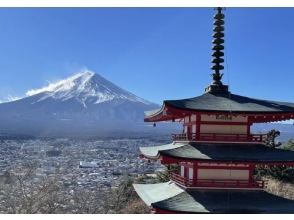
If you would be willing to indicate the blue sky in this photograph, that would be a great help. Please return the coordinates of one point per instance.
(155, 53)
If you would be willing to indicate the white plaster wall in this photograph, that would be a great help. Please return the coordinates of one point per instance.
(240, 174)
(218, 174)
(193, 118)
(224, 129)
(187, 119)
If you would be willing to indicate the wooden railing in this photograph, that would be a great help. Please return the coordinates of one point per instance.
(181, 180)
(205, 183)
(219, 137)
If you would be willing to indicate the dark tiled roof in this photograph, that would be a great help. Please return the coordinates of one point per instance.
(226, 102)
(226, 201)
(224, 152)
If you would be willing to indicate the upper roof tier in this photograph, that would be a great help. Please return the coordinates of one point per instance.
(220, 103)
(218, 100)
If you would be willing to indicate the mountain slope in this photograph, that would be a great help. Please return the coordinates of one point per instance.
(85, 102)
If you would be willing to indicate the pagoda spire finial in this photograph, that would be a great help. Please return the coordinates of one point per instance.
(217, 54)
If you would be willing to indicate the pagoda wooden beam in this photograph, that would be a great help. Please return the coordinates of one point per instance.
(187, 112)
(248, 128)
(195, 171)
(222, 123)
(251, 169)
(198, 125)
(143, 156)
(187, 165)
(170, 160)
(224, 167)
(169, 113)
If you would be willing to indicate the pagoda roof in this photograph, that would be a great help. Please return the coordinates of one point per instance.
(172, 198)
(219, 102)
(152, 152)
(152, 193)
(220, 152)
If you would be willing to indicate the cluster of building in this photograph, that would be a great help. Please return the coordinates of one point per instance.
(79, 163)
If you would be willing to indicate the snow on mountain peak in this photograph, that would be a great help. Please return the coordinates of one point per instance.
(85, 86)
(62, 85)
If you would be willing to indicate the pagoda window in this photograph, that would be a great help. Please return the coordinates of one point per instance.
(187, 170)
(191, 172)
(194, 129)
(182, 171)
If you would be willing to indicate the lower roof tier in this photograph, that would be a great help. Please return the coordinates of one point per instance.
(222, 103)
(168, 197)
(215, 152)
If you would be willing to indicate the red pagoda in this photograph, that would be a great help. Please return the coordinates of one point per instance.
(216, 151)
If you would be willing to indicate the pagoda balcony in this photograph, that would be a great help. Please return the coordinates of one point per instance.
(208, 183)
(256, 138)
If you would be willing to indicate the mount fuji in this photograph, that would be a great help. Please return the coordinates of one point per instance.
(82, 103)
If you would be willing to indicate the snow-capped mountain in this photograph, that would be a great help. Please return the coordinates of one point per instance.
(84, 102)
(87, 88)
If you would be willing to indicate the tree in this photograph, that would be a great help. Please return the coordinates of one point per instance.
(164, 175)
(22, 191)
(141, 179)
(123, 199)
(289, 145)
(282, 173)
(83, 201)
(136, 206)
(270, 139)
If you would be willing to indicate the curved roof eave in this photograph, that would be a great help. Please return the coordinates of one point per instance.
(226, 102)
(153, 152)
(222, 103)
(238, 153)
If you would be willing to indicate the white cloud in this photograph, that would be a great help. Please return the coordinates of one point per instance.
(10, 98)
(50, 87)
(60, 85)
